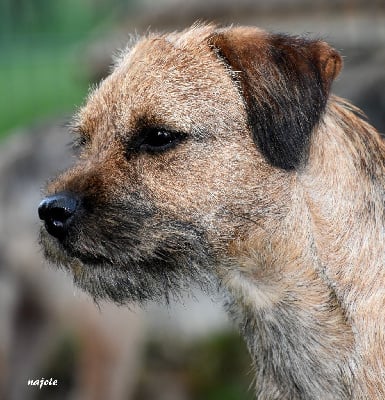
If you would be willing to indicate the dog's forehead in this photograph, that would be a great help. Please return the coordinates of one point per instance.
(175, 80)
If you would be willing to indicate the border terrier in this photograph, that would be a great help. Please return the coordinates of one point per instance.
(219, 155)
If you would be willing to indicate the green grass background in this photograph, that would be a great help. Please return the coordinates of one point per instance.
(42, 71)
(39, 84)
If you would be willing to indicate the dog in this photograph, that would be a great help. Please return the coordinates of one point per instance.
(218, 155)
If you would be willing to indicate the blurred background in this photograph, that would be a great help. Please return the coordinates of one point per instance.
(50, 54)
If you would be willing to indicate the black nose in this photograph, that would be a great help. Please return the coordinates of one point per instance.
(57, 212)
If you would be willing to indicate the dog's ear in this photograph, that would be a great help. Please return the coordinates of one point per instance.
(285, 82)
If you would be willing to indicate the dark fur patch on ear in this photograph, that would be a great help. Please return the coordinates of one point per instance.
(285, 83)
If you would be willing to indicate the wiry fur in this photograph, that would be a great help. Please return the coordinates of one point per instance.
(277, 190)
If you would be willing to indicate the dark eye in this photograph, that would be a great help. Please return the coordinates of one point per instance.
(158, 140)
(79, 143)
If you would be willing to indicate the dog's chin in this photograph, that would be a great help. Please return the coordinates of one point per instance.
(124, 280)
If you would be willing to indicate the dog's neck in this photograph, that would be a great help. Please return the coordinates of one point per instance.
(302, 294)
(344, 187)
(294, 328)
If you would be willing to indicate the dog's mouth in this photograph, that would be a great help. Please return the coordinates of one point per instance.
(152, 265)
(56, 253)
(78, 229)
(77, 254)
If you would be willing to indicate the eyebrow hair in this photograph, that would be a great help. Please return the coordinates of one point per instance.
(74, 125)
(148, 122)
(78, 130)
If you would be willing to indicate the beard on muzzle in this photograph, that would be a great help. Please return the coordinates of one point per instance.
(132, 255)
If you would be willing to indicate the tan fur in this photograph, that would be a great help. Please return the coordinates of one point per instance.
(300, 252)
(347, 216)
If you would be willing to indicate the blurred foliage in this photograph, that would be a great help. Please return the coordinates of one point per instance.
(220, 368)
(42, 70)
(61, 363)
(217, 367)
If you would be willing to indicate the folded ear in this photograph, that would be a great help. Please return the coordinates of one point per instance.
(285, 82)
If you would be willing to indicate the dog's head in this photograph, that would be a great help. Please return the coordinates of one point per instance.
(191, 141)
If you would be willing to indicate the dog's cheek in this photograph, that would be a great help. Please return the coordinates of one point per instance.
(206, 180)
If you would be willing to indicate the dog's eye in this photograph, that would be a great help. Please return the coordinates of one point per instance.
(79, 143)
(158, 140)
